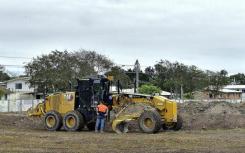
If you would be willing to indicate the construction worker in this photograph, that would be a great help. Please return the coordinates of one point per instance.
(102, 112)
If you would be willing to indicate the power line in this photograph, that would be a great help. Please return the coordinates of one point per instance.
(15, 57)
(19, 66)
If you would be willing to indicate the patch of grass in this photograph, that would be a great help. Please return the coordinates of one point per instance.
(35, 141)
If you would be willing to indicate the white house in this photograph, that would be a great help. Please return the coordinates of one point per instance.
(236, 87)
(19, 85)
(240, 88)
(20, 96)
(20, 89)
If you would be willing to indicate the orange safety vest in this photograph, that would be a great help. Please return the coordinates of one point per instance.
(102, 108)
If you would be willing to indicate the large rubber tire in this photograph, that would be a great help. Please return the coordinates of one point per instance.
(150, 122)
(91, 126)
(53, 121)
(73, 121)
(177, 126)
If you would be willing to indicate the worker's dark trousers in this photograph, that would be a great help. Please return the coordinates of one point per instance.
(100, 123)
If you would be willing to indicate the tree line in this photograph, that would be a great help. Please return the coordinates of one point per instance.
(52, 72)
(174, 76)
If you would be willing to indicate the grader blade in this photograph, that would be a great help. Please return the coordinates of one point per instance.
(120, 124)
(120, 127)
(37, 111)
(128, 113)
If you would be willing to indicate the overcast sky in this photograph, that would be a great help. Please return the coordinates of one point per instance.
(206, 33)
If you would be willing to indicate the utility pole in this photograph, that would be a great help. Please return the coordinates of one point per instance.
(181, 93)
(137, 71)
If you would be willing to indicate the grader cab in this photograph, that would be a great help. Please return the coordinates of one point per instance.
(75, 110)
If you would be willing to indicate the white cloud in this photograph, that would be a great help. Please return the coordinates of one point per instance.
(206, 33)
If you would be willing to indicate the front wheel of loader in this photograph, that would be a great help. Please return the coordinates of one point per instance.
(150, 122)
(73, 121)
(53, 121)
(178, 125)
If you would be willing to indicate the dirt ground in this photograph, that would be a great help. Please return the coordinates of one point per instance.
(208, 127)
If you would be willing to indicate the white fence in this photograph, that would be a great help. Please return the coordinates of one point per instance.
(18, 105)
(210, 100)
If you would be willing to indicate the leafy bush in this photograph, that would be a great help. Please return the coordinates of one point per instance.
(149, 89)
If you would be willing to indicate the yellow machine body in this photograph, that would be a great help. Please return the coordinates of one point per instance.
(60, 102)
(165, 107)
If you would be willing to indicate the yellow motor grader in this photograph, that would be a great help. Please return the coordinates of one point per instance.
(75, 110)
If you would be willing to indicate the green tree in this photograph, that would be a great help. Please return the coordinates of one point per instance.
(149, 89)
(4, 76)
(53, 71)
(171, 76)
(119, 74)
(218, 80)
(238, 78)
(2, 92)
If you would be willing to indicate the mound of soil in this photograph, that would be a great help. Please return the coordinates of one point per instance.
(212, 115)
(21, 121)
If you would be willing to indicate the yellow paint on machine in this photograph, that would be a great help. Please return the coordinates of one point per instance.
(60, 102)
(167, 108)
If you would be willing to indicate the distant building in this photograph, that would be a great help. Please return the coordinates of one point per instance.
(20, 89)
(114, 89)
(128, 90)
(19, 85)
(131, 91)
(240, 88)
(236, 87)
(225, 94)
(166, 94)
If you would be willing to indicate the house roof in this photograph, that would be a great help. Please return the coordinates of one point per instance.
(235, 87)
(224, 90)
(229, 91)
(17, 79)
